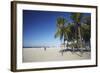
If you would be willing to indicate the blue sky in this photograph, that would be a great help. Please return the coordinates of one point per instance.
(39, 27)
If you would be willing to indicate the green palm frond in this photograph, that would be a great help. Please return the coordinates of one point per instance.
(60, 27)
(76, 17)
(58, 32)
(61, 35)
(61, 22)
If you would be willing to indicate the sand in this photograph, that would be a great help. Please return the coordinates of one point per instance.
(51, 54)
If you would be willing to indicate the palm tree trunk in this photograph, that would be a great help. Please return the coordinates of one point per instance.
(80, 39)
(64, 44)
(67, 44)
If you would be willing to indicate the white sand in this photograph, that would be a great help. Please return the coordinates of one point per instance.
(51, 54)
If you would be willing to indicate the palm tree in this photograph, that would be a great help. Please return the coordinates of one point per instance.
(67, 34)
(77, 17)
(61, 29)
(86, 34)
(87, 22)
(71, 34)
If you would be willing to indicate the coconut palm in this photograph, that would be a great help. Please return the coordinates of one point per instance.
(77, 18)
(67, 34)
(86, 30)
(71, 34)
(61, 29)
(86, 34)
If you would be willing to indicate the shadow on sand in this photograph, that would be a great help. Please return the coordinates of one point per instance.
(75, 50)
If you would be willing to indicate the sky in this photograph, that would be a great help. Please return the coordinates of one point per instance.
(39, 27)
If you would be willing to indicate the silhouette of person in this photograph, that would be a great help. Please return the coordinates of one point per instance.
(45, 48)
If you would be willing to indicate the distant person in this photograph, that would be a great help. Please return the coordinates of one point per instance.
(45, 48)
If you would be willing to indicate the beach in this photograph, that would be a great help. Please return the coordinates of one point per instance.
(51, 54)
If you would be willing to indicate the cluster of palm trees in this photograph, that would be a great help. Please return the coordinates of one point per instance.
(77, 31)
